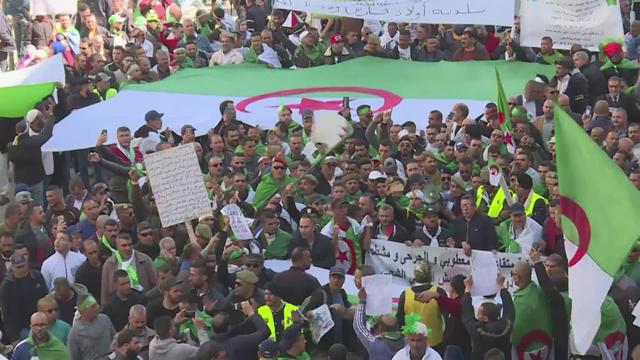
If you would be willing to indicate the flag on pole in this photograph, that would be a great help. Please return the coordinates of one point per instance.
(504, 115)
(292, 20)
(598, 204)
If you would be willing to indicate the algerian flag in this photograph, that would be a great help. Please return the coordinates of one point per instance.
(20, 90)
(192, 95)
(599, 207)
(504, 115)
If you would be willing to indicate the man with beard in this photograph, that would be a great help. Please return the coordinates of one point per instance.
(40, 344)
(300, 284)
(128, 346)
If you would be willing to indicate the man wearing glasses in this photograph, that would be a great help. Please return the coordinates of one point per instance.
(56, 327)
(40, 344)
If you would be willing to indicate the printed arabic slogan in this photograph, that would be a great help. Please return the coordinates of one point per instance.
(399, 260)
(569, 22)
(487, 12)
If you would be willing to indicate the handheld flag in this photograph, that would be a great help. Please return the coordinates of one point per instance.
(504, 115)
(292, 20)
(598, 204)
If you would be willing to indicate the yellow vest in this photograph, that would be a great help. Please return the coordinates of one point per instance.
(534, 198)
(429, 312)
(497, 203)
(267, 315)
(111, 92)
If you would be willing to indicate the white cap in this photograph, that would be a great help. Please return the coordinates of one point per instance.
(402, 133)
(303, 34)
(415, 194)
(31, 116)
(375, 174)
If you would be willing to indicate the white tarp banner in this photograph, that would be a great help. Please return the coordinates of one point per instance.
(177, 184)
(398, 259)
(569, 22)
(53, 7)
(487, 12)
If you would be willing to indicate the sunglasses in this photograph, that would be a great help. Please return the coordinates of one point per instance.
(278, 168)
(214, 165)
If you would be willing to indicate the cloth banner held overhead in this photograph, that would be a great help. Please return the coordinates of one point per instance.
(258, 91)
(399, 260)
(488, 12)
(569, 22)
(53, 7)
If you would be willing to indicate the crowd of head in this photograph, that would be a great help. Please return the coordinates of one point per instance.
(89, 271)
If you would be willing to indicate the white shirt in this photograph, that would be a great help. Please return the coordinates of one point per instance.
(563, 83)
(388, 39)
(78, 203)
(220, 58)
(404, 54)
(404, 354)
(56, 266)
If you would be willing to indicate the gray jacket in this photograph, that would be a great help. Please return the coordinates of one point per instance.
(169, 349)
(91, 340)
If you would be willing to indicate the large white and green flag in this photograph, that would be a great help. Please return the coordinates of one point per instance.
(192, 96)
(20, 90)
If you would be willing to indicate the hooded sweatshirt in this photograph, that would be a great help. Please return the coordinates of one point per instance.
(169, 349)
(91, 340)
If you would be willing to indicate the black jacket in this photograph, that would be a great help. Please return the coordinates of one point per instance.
(559, 316)
(595, 79)
(300, 285)
(485, 336)
(18, 300)
(26, 155)
(623, 101)
(578, 92)
(539, 103)
(479, 232)
(322, 253)
(243, 346)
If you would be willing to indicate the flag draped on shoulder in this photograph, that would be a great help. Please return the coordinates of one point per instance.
(597, 203)
(504, 115)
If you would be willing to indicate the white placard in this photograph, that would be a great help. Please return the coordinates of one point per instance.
(484, 270)
(237, 221)
(399, 260)
(177, 184)
(378, 300)
(53, 7)
(320, 323)
(487, 12)
(569, 22)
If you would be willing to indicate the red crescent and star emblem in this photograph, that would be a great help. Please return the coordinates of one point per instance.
(574, 212)
(390, 100)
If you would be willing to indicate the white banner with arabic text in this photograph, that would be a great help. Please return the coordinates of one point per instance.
(388, 257)
(486, 12)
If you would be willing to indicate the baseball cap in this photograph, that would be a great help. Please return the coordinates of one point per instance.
(306, 113)
(336, 38)
(375, 175)
(102, 77)
(18, 260)
(73, 229)
(460, 145)
(23, 197)
(309, 211)
(268, 349)
(31, 116)
(115, 19)
(168, 283)
(336, 270)
(185, 127)
(150, 115)
(336, 203)
(430, 210)
(247, 276)
(143, 226)
(403, 134)
(516, 209)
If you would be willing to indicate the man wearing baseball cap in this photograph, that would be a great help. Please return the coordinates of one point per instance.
(337, 52)
(116, 29)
